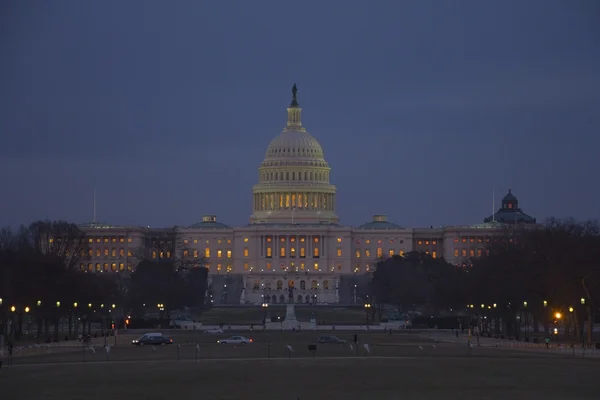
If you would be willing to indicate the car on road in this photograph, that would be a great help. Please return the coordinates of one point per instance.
(214, 331)
(152, 339)
(331, 339)
(235, 340)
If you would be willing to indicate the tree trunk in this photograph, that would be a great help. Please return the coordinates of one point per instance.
(56, 322)
(39, 329)
(47, 329)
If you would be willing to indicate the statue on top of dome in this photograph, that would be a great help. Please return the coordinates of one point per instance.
(294, 99)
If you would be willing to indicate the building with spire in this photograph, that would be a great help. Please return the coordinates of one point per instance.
(294, 249)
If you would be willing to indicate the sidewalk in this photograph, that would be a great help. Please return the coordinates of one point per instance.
(554, 348)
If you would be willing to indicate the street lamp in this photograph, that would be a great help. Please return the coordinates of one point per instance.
(582, 301)
(13, 308)
(494, 305)
(545, 303)
(558, 315)
(114, 305)
(367, 308)
(75, 304)
(58, 304)
(0, 301)
(39, 303)
(89, 305)
(26, 309)
(524, 304)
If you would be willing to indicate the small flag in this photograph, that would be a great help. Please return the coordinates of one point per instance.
(433, 345)
(421, 347)
(351, 348)
(153, 348)
(92, 349)
(367, 348)
(197, 347)
(290, 348)
(1, 354)
(107, 348)
(178, 346)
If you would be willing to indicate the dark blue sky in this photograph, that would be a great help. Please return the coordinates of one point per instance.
(422, 107)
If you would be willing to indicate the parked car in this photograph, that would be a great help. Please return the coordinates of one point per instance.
(214, 331)
(152, 339)
(331, 339)
(235, 340)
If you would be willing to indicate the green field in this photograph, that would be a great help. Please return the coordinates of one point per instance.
(432, 373)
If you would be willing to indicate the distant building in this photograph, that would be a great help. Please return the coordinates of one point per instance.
(294, 249)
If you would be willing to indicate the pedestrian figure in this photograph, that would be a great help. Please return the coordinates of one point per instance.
(355, 338)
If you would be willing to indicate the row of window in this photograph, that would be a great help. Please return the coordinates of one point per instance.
(290, 285)
(471, 252)
(105, 267)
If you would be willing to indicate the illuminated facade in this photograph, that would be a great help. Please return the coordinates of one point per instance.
(294, 249)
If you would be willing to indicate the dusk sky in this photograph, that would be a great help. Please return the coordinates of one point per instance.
(423, 108)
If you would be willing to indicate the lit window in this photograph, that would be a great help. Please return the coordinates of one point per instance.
(391, 253)
(186, 253)
(302, 239)
(269, 239)
(357, 268)
(339, 252)
(269, 252)
(218, 267)
(129, 240)
(129, 267)
(219, 241)
(282, 252)
(185, 241)
(367, 241)
(90, 240)
(357, 254)
(246, 252)
(154, 254)
(302, 252)
(90, 267)
(113, 240)
(245, 240)
(229, 268)
(195, 253)
(316, 252)
(113, 252)
(471, 253)
(434, 242)
(401, 252)
(129, 253)
(219, 253)
(316, 266)
(339, 240)
(455, 252)
(367, 268)
(316, 239)
(379, 252)
(98, 267)
(195, 241)
(121, 252)
(207, 252)
(367, 253)
(246, 267)
(121, 266)
(269, 266)
(464, 253)
(434, 254)
(479, 253)
(301, 266)
(420, 242)
(292, 252)
(228, 253)
(282, 239)
(339, 267)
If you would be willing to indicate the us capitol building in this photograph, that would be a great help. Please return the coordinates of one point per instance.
(294, 249)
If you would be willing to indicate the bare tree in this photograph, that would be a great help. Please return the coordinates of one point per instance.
(166, 246)
(60, 239)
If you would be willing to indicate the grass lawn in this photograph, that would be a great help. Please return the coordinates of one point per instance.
(255, 315)
(411, 377)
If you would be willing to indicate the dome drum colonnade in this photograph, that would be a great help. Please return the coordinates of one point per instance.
(294, 184)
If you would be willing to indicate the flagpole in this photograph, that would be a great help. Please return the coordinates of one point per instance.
(94, 221)
(493, 204)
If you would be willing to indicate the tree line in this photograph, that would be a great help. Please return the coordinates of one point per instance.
(41, 282)
(545, 273)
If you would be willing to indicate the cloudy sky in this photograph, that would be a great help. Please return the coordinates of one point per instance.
(423, 108)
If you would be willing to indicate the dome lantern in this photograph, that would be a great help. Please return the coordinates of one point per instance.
(294, 122)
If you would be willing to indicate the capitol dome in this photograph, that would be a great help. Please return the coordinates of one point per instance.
(294, 182)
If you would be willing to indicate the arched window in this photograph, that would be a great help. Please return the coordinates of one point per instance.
(290, 283)
(279, 285)
(302, 285)
(313, 284)
(274, 299)
(307, 299)
(300, 299)
(326, 285)
(256, 285)
(282, 299)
